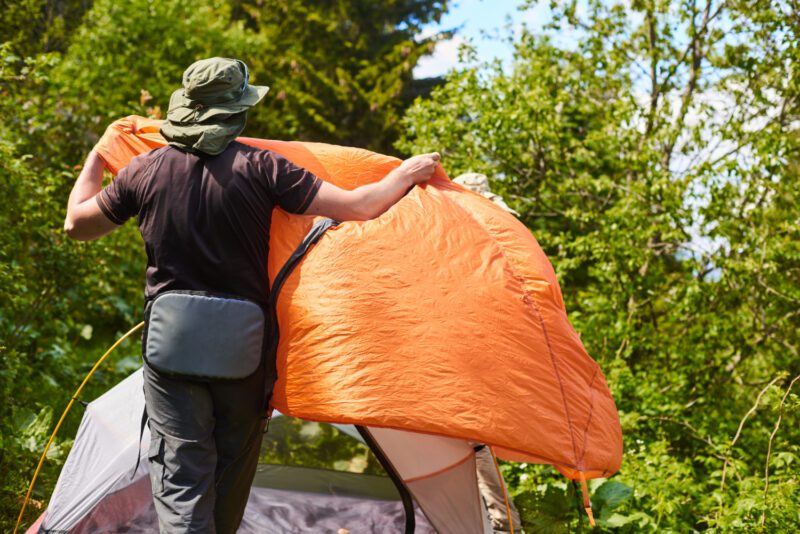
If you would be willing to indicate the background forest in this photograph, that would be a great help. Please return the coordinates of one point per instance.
(651, 146)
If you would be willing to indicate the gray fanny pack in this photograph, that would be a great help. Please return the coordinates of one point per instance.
(196, 334)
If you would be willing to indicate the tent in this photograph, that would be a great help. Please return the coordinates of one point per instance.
(99, 491)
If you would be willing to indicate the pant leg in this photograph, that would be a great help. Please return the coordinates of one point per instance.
(182, 454)
(240, 418)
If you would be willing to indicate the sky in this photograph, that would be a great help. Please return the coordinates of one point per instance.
(482, 22)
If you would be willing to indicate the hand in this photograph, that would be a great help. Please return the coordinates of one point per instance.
(420, 168)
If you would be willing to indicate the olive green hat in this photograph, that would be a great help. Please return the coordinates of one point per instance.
(211, 108)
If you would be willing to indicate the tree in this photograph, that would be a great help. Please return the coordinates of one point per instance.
(650, 153)
(31, 27)
(344, 67)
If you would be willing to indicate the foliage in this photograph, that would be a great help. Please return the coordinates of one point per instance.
(48, 306)
(652, 149)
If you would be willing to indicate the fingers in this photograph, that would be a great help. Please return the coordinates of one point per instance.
(431, 156)
(422, 166)
(431, 161)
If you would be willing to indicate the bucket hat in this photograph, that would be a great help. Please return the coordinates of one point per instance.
(210, 110)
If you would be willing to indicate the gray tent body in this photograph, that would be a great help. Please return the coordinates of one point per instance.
(98, 490)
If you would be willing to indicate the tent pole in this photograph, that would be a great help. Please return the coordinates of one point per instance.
(405, 496)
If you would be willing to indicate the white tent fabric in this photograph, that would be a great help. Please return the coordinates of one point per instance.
(440, 474)
(103, 455)
(98, 490)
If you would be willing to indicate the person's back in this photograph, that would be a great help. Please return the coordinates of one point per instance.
(205, 220)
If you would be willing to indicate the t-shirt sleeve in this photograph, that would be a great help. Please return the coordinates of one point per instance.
(291, 187)
(118, 199)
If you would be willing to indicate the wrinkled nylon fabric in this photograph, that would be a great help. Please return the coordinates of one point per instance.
(442, 316)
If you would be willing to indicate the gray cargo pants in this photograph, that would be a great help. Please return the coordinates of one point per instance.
(204, 446)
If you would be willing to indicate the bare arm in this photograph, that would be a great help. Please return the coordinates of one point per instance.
(370, 201)
(85, 221)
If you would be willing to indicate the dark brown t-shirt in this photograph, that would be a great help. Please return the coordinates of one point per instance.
(205, 219)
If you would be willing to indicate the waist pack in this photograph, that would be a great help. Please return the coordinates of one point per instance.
(202, 335)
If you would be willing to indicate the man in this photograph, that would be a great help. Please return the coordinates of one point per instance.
(203, 205)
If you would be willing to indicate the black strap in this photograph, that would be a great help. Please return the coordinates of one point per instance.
(139, 448)
(405, 496)
(313, 235)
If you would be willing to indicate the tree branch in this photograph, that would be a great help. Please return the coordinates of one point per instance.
(655, 91)
(769, 447)
(696, 46)
(750, 412)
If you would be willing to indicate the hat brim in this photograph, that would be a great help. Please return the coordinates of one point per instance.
(253, 95)
(185, 110)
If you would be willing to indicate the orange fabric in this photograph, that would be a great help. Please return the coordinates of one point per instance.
(442, 316)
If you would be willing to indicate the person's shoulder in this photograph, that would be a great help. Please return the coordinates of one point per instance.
(144, 161)
(236, 147)
(145, 158)
(241, 154)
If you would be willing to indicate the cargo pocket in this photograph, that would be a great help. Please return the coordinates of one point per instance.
(155, 456)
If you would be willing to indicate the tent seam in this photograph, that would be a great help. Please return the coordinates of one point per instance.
(554, 360)
(440, 471)
(591, 413)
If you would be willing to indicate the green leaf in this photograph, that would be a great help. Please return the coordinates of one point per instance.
(610, 495)
(616, 520)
